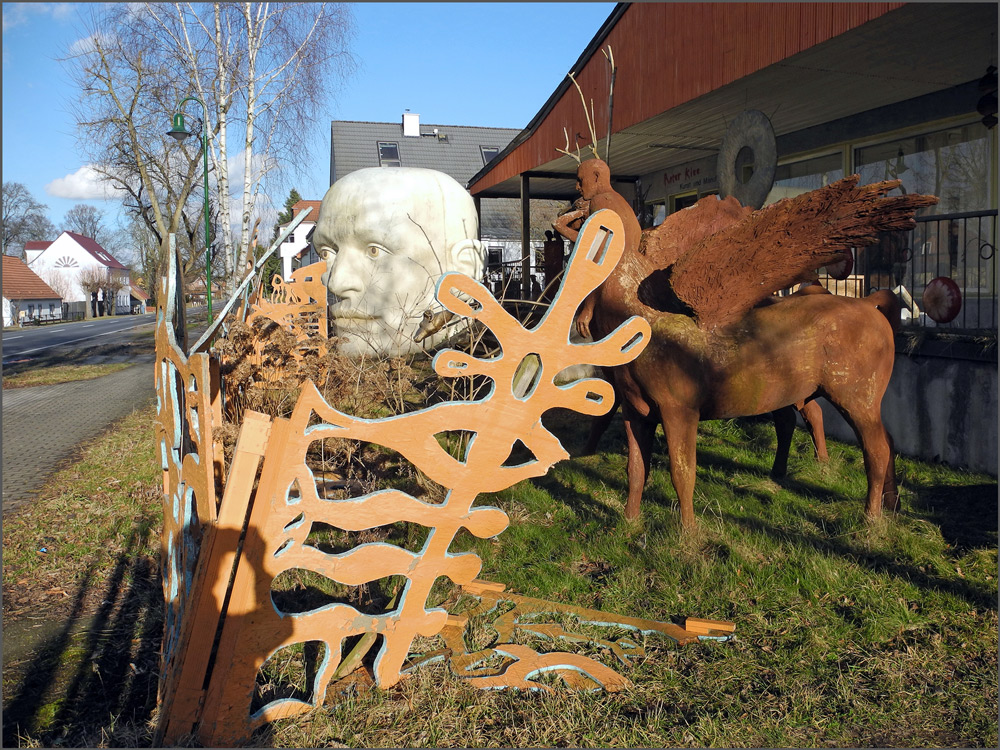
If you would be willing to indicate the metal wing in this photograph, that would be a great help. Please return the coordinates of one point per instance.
(722, 276)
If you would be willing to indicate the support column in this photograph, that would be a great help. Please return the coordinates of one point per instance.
(478, 203)
(525, 239)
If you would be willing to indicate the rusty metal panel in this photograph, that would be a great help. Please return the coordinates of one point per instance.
(670, 53)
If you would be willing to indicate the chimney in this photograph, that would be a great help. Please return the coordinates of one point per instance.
(411, 124)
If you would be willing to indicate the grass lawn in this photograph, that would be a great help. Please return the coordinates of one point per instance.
(849, 633)
(61, 374)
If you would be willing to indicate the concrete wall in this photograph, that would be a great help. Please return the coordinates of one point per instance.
(937, 408)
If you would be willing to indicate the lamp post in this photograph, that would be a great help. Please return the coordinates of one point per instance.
(180, 132)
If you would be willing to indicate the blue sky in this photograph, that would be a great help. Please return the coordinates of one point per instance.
(490, 64)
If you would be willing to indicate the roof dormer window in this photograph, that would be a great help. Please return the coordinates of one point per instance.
(489, 153)
(388, 154)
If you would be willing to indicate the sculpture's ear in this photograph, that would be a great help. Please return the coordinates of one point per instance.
(467, 257)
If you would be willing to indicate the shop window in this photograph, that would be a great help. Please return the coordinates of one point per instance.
(804, 175)
(953, 164)
(654, 212)
(682, 201)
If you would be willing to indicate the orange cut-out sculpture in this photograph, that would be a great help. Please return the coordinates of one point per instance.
(287, 502)
(269, 519)
(297, 306)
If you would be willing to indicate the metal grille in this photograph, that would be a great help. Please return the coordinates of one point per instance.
(960, 246)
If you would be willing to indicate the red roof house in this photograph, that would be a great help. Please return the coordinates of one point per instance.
(25, 291)
(68, 256)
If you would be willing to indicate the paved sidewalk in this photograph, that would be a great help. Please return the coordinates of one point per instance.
(43, 424)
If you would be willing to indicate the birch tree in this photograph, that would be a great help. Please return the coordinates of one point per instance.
(264, 72)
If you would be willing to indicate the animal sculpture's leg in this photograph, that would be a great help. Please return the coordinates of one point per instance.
(784, 426)
(875, 447)
(680, 426)
(812, 413)
(639, 433)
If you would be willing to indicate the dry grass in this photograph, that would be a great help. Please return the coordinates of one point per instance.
(61, 374)
(82, 598)
(849, 633)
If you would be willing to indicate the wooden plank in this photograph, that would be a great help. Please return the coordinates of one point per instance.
(478, 586)
(224, 693)
(456, 621)
(215, 567)
(701, 626)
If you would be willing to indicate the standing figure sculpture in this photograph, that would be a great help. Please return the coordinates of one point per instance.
(387, 236)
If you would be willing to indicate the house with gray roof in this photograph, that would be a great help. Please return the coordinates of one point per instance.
(459, 151)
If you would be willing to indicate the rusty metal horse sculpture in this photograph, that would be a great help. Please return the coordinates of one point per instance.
(714, 354)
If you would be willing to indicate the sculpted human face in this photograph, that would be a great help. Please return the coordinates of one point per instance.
(387, 236)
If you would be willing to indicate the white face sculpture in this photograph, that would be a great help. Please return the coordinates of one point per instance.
(387, 235)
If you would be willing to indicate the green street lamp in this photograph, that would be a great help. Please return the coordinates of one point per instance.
(180, 132)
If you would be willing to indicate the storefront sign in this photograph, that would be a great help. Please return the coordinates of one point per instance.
(698, 175)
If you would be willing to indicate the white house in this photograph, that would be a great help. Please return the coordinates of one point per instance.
(26, 296)
(298, 242)
(61, 262)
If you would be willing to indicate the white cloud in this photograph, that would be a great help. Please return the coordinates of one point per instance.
(86, 44)
(62, 11)
(14, 14)
(83, 184)
(17, 14)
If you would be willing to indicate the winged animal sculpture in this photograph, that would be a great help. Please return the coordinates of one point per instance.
(699, 279)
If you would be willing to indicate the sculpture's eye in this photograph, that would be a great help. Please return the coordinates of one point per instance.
(375, 250)
(326, 252)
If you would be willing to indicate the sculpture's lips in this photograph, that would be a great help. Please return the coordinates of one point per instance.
(349, 314)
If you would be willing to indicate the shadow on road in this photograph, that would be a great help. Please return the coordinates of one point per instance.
(88, 355)
(93, 681)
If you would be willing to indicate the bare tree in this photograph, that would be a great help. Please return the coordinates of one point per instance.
(116, 281)
(145, 256)
(92, 280)
(24, 219)
(59, 282)
(13, 308)
(89, 221)
(85, 220)
(263, 70)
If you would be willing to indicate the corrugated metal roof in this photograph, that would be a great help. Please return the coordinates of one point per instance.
(20, 282)
(458, 154)
(455, 150)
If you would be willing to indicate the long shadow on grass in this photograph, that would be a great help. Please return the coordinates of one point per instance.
(876, 562)
(584, 505)
(113, 675)
(808, 489)
(965, 514)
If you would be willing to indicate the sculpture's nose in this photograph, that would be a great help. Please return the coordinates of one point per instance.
(344, 277)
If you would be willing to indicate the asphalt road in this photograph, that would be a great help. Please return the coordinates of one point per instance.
(44, 425)
(29, 343)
